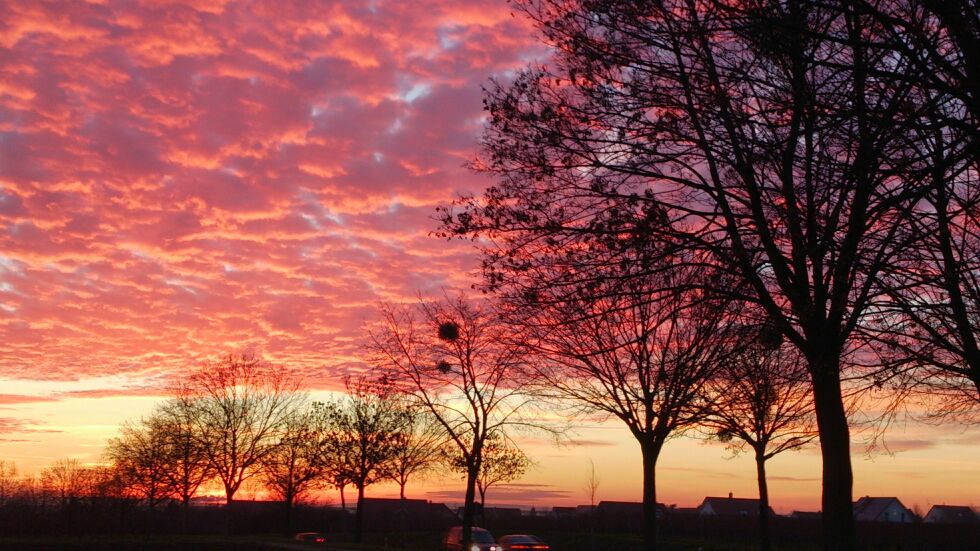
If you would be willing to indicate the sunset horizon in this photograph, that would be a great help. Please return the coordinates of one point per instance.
(181, 181)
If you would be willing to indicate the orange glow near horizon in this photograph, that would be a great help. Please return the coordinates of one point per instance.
(184, 180)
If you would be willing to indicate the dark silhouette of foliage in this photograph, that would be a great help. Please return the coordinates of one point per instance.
(362, 437)
(470, 384)
(762, 401)
(240, 406)
(776, 141)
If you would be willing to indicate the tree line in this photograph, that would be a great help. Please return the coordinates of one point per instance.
(244, 420)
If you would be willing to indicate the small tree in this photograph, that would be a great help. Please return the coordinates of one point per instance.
(592, 490)
(763, 402)
(67, 479)
(364, 428)
(8, 481)
(141, 457)
(189, 466)
(418, 450)
(501, 463)
(297, 463)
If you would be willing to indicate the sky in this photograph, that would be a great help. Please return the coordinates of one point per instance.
(181, 180)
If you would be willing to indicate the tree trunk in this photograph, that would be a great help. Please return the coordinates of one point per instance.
(230, 509)
(401, 511)
(650, 451)
(760, 469)
(288, 500)
(468, 505)
(835, 450)
(185, 512)
(359, 516)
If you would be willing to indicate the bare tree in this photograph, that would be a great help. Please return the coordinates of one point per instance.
(240, 406)
(141, 457)
(67, 479)
(419, 447)
(418, 451)
(502, 462)
(297, 463)
(770, 137)
(8, 480)
(642, 350)
(763, 402)
(452, 359)
(188, 458)
(363, 436)
(592, 490)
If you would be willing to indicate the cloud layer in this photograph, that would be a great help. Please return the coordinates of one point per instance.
(180, 180)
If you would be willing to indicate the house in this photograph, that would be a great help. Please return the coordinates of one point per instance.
(881, 509)
(731, 507)
(951, 514)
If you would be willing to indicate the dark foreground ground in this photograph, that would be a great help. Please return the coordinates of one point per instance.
(420, 541)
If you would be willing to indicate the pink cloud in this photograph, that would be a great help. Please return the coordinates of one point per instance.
(181, 179)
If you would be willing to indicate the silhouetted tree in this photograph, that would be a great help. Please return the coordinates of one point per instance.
(640, 349)
(363, 436)
(418, 451)
(189, 467)
(140, 455)
(297, 463)
(67, 479)
(453, 359)
(8, 480)
(240, 406)
(762, 401)
(418, 448)
(501, 463)
(770, 137)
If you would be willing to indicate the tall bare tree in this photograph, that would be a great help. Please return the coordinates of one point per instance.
(453, 358)
(241, 404)
(763, 402)
(363, 435)
(771, 137)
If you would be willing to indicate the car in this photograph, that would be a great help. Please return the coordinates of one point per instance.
(311, 537)
(482, 540)
(522, 542)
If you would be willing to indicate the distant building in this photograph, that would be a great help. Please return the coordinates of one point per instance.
(806, 515)
(563, 512)
(414, 512)
(951, 514)
(624, 509)
(882, 509)
(730, 507)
